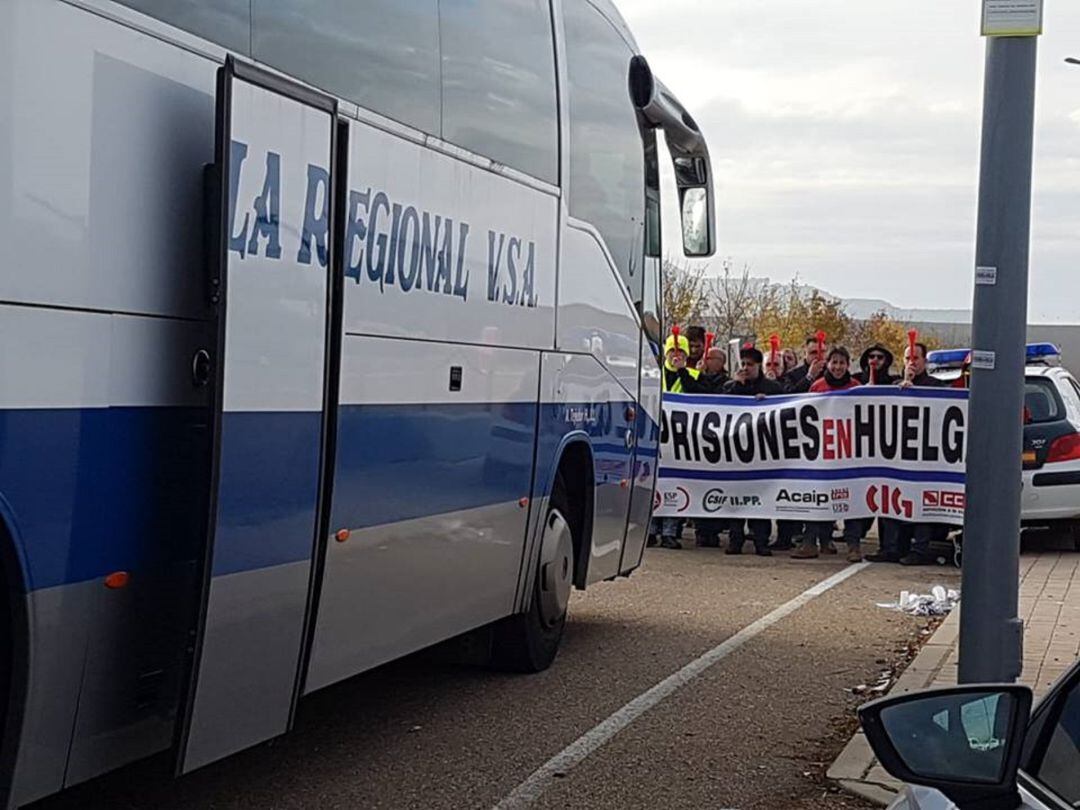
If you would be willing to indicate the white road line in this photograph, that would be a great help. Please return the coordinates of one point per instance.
(571, 756)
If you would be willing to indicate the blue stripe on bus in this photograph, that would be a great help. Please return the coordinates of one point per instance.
(97, 490)
(268, 489)
(103, 489)
(886, 473)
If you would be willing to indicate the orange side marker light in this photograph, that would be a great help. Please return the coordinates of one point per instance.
(117, 579)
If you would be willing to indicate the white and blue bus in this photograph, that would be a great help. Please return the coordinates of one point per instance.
(329, 332)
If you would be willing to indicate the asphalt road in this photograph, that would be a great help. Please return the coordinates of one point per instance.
(754, 730)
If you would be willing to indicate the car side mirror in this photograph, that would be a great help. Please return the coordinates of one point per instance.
(964, 741)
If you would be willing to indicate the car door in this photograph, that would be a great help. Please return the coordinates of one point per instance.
(1050, 765)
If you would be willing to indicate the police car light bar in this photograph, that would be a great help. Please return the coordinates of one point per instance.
(1046, 354)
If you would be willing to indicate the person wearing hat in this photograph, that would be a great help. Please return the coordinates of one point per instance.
(677, 376)
(711, 379)
(677, 373)
(875, 364)
(749, 381)
(879, 360)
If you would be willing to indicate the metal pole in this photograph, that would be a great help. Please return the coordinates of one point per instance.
(991, 634)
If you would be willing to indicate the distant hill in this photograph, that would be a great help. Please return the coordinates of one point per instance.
(862, 308)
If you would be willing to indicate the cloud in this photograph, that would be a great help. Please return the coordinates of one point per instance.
(845, 141)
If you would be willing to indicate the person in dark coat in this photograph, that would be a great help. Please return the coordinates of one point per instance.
(837, 377)
(711, 380)
(880, 360)
(695, 335)
(713, 374)
(909, 543)
(800, 378)
(749, 381)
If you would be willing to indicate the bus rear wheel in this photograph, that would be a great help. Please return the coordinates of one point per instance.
(529, 642)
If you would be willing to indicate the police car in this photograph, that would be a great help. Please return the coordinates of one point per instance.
(1051, 455)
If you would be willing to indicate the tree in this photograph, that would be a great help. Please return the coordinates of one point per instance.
(736, 300)
(684, 292)
(793, 314)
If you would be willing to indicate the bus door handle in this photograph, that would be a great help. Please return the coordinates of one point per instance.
(200, 368)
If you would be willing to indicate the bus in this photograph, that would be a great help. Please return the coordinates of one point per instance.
(330, 332)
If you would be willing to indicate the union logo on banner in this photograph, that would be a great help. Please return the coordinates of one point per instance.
(886, 499)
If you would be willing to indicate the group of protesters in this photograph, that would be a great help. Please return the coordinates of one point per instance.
(693, 366)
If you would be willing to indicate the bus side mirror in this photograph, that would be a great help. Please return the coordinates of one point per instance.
(964, 741)
(695, 204)
(695, 221)
(689, 155)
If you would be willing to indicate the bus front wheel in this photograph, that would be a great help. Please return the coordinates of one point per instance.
(528, 642)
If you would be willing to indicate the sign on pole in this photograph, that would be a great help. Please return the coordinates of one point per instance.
(1012, 18)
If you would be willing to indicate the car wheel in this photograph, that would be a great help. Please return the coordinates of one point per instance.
(528, 642)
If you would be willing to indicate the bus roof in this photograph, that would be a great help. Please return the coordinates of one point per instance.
(608, 9)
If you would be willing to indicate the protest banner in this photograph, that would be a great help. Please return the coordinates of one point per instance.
(873, 451)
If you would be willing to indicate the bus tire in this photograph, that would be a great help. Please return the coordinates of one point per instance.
(529, 642)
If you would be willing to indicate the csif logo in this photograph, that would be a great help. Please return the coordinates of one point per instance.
(714, 500)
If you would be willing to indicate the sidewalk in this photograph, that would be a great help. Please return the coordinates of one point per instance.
(1050, 608)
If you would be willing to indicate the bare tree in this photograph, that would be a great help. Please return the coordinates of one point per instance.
(684, 292)
(736, 300)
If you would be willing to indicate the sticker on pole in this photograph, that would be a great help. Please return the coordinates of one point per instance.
(982, 359)
(1012, 18)
(986, 275)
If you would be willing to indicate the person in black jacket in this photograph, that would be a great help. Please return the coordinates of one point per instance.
(880, 359)
(711, 380)
(713, 376)
(793, 380)
(800, 378)
(695, 335)
(749, 381)
(909, 543)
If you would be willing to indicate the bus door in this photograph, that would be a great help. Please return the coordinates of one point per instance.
(647, 410)
(272, 287)
(646, 428)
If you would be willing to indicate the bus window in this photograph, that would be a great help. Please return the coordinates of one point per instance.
(498, 82)
(226, 22)
(381, 54)
(607, 172)
(652, 195)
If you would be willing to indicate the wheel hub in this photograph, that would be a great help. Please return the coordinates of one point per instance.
(556, 568)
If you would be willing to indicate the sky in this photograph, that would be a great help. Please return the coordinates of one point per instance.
(844, 138)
